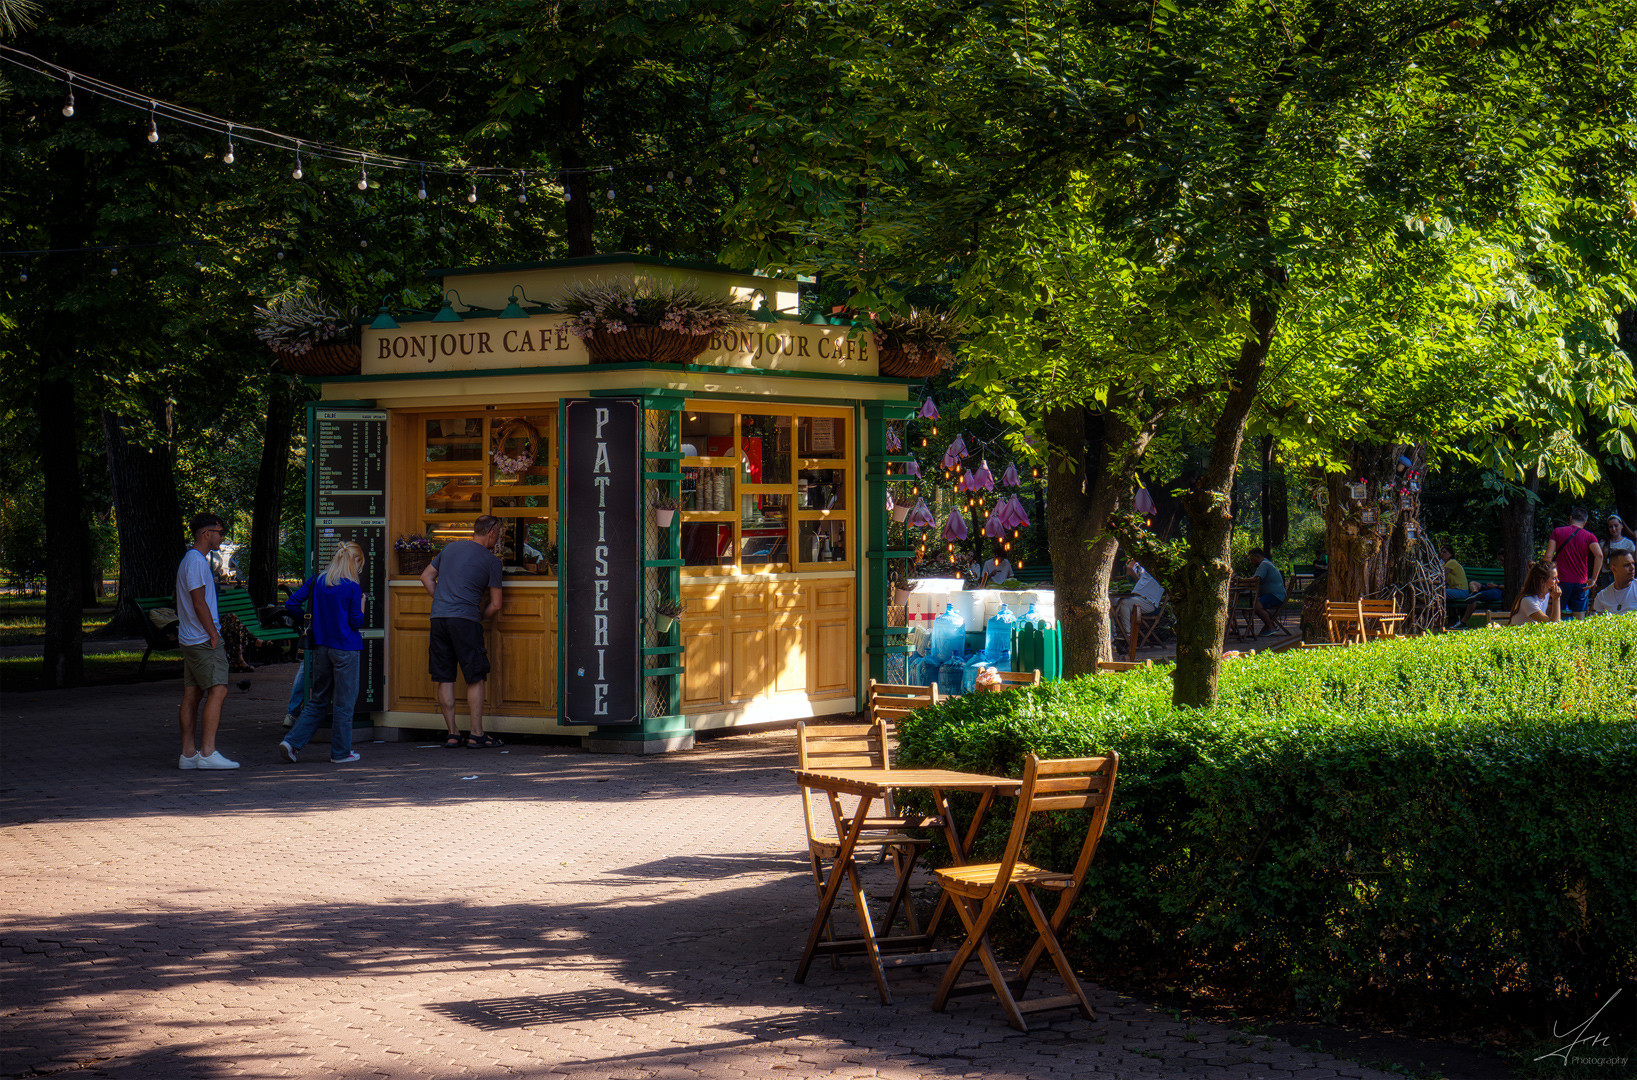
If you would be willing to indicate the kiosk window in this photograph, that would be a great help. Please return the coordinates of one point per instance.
(493, 463)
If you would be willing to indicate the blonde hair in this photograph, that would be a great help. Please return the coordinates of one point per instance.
(347, 561)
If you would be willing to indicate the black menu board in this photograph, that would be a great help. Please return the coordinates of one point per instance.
(349, 503)
(601, 567)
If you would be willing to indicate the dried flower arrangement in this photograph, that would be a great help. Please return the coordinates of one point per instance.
(292, 325)
(640, 318)
(916, 345)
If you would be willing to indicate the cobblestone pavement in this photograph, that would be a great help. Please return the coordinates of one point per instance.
(460, 913)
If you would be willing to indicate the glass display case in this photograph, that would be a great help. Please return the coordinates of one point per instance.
(492, 463)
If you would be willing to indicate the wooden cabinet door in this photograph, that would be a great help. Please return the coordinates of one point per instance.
(832, 654)
(704, 682)
(517, 649)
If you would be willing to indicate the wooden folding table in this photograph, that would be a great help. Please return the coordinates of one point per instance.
(870, 785)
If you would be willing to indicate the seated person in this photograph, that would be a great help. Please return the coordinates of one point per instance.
(1541, 599)
(1457, 589)
(1270, 590)
(1145, 596)
(1620, 595)
(992, 572)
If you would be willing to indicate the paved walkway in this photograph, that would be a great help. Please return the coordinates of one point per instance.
(459, 913)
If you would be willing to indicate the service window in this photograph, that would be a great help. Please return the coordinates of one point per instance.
(765, 490)
(493, 463)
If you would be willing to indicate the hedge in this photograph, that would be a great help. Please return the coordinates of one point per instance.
(1434, 829)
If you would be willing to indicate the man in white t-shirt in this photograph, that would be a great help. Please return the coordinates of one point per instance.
(1145, 596)
(1620, 595)
(995, 571)
(204, 658)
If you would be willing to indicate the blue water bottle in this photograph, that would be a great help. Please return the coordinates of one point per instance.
(997, 637)
(948, 635)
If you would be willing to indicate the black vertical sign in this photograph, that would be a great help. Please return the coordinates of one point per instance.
(347, 468)
(601, 567)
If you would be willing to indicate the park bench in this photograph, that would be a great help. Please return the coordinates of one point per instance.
(1477, 577)
(234, 602)
(1034, 575)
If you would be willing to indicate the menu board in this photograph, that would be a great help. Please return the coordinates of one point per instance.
(601, 568)
(348, 473)
(349, 463)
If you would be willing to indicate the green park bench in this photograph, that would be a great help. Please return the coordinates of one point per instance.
(1033, 575)
(1478, 576)
(234, 602)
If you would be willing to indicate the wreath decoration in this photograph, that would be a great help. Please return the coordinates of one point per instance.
(517, 428)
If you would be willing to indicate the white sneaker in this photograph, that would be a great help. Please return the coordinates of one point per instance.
(288, 750)
(350, 757)
(188, 761)
(215, 760)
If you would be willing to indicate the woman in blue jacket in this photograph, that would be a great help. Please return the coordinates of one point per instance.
(337, 613)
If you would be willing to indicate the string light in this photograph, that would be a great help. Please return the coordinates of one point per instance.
(296, 173)
(610, 194)
(227, 158)
(650, 189)
(68, 102)
(568, 196)
(471, 196)
(153, 125)
(522, 189)
(363, 178)
(421, 192)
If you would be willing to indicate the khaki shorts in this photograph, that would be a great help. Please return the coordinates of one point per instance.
(203, 666)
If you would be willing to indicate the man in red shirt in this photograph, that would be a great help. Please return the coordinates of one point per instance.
(1570, 546)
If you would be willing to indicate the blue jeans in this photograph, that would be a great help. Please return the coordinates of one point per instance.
(1574, 595)
(335, 692)
(298, 690)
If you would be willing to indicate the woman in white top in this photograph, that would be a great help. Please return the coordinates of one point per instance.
(1541, 599)
(1621, 537)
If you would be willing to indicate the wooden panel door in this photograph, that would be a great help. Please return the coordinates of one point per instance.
(749, 666)
(832, 651)
(517, 650)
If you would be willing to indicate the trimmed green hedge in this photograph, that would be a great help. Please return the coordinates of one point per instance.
(1439, 828)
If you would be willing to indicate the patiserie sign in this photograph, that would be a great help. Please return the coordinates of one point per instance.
(601, 562)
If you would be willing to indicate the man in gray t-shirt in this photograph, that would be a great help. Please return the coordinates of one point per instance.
(464, 580)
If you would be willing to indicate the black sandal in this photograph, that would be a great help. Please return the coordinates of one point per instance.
(454, 742)
(482, 742)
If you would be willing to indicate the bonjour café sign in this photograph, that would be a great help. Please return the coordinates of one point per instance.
(545, 341)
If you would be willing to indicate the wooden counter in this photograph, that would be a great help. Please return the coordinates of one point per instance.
(522, 642)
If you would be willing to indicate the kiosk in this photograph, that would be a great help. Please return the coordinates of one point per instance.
(772, 446)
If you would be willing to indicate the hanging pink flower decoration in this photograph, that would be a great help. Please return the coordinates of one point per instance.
(955, 454)
(921, 516)
(1019, 516)
(1009, 477)
(966, 483)
(895, 441)
(955, 527)
(913, 469)
(996, 526)
(983, 479)
(890, 503)
(929, 410)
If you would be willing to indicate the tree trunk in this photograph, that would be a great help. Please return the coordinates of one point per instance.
(150, 523)
(1200, 587)
(1278, 503)
(1080, 496)
(64, 647)
(1360, 563)
(266, 511)
(1518, 532)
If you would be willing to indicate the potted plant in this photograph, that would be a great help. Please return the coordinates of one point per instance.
(308, 337)
(647, 320)
(917, 345)
(664, 512)
(666, 612)
(414, 552)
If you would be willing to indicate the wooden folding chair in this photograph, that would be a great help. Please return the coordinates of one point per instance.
(979, 889)
(1344, 621)
(1011, 680)
(1384, 614)
(891, 702)
(858, 746)
(1123, 665)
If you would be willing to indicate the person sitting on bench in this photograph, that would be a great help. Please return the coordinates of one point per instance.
(1270, 590)
(1145, 596)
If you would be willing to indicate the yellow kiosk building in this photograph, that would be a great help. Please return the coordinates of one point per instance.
(748, 487)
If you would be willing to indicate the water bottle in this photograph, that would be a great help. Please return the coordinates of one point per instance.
(1032, 617)
(950, 675)
(997, 637)
(948, 634)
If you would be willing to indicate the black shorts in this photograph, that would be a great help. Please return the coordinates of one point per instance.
(457, 640)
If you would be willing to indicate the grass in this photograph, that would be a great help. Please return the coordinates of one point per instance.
(22, 619)
(26, 674)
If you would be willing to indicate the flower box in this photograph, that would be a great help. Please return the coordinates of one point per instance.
(645, 344)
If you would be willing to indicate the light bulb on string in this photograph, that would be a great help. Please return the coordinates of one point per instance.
(471, 196)
(688, 179)
(113, 269)
(755, 155)
(670, 174)
(421, 193)
(296, 173)
(22, 275)
(568, 196)
(610, 194)
(650, 189)
(721, 170)
(227, 158)
(68, 102)
(153, 125)
(363, 178)
(522, 188)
